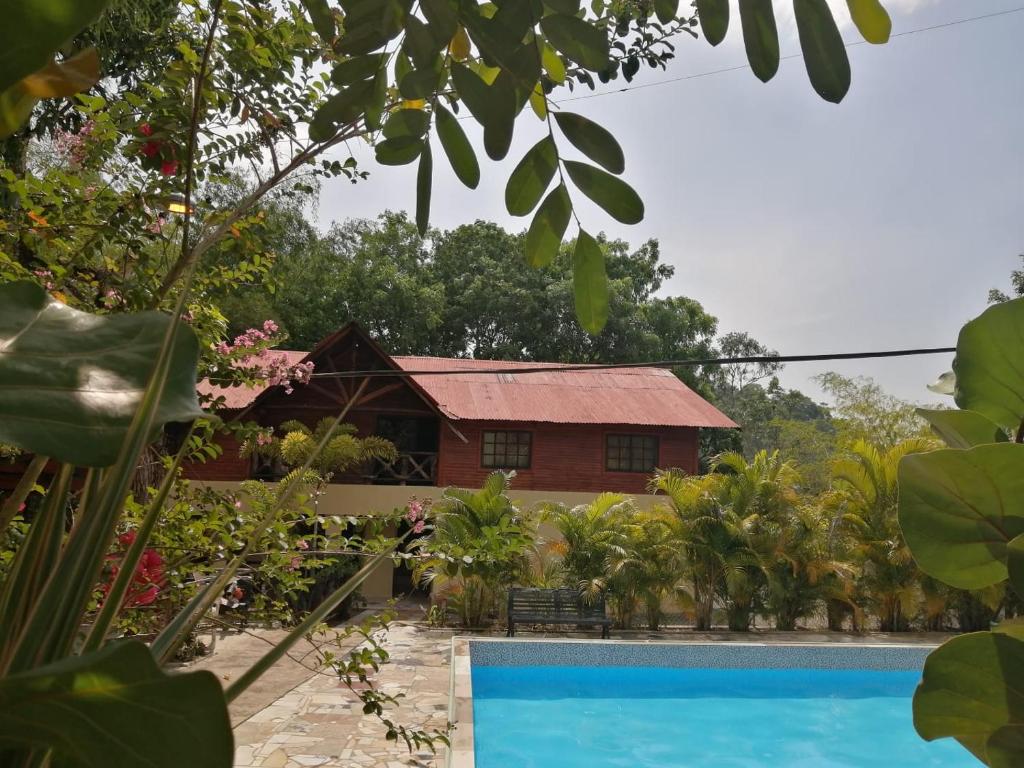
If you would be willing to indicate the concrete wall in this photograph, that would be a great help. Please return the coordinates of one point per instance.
(378, 499)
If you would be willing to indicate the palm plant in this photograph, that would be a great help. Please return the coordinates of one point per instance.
(478, 547)
(708, 547)
(647, 569)
(866, 483)
(590, 533)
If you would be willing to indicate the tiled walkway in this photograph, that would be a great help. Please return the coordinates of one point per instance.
(320, 722)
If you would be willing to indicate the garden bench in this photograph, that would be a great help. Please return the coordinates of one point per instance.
(555, 606)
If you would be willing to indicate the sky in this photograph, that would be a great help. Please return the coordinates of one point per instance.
(878, 223)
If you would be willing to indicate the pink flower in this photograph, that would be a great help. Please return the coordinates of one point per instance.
(169, 167)
(420, 525)
(150, 148)
(238, 504)
(302, 544)
(415, 511)
(21, 507)
(146, 129)
(295, 564)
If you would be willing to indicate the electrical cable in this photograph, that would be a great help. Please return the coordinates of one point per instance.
(692, 363)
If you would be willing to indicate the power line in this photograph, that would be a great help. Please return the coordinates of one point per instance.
(691, 363)
(737, 67)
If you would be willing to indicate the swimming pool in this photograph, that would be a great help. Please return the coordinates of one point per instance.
(541, 704)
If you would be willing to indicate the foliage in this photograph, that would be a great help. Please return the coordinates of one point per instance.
(996, 295)
(478, 547)
(862, 410)
(328, 448)
(963, 527)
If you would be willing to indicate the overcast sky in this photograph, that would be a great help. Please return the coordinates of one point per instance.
(880, 223)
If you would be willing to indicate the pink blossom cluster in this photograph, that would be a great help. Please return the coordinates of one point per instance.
(45, 275)
(251, 350)
(73, 145)
(264, 438)
(416, 514)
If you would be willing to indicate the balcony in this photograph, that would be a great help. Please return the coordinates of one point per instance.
(410, 468)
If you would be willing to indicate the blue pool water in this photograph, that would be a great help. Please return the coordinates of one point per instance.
(640, 717)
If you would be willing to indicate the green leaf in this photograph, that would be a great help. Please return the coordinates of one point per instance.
(609, 192)
(972, 686)
(548, 228)
(760, 37)
(457, 147)
(501, 121)
(666, 10)
(959, 509)
(356, 68)
(323, 20)
(370, 24)
(553, 64)
(580, 41)
(33, 31)
(423, 179)
(115, 708)
(442, 17)
(342, 108)
(420, 43)
(531, 177)
(592, 140)
(714, 19)
(590, 284)
(406, 122)
(400, 150)
(420, 84)
(824, 51)
(570, 7)
(1005, 747)
(989, 364)
(871, 19)
(962, 429)
(72, 75)
(1015, 564)
(71, 381)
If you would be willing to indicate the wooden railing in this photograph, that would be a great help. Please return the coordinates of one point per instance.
(413, 468)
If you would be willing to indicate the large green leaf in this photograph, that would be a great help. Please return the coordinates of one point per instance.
(423, 186)
(344, 107)
(760, 37)
(592, 140)
(824, 51)
(871, 19)
(1015, 564)
(548, 228)
(70, 382)
(962, 429)
(579, 40)
(590, 284)
(370, 24)
(457, 147)
(972, 688)
(959, 510)
(714, 19)
(57, 79)
(493, 106)
(989, 364)
(400, 150)
(115, 709)
(356, 68)
(531, 177)
(322, 17)
(610, 192)
(33, 31)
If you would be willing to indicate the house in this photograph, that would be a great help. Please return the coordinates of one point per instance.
(456, 420)
(567, 434)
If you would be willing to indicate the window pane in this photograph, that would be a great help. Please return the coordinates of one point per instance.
(506, 450)
(631, 453)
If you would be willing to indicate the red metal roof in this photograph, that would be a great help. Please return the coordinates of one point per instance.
(637, 396)
(632, 396)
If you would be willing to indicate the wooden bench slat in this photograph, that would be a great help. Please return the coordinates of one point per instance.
(555, 606)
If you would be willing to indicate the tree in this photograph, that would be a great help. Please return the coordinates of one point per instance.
(996, 296)
(863, 411)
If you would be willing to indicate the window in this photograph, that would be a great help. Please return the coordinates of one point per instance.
(631, 453)
(506, 450)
